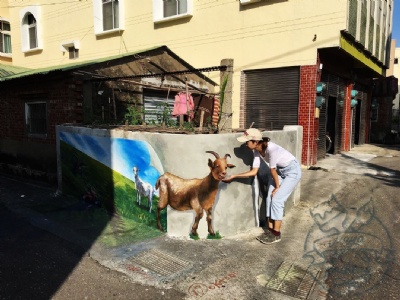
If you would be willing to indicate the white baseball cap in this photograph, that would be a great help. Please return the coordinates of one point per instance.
(251, 134)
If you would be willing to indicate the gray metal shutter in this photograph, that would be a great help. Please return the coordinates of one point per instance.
(353, 127)
(339, 115)
(361, 114)
(154, 101)
(272, 97)
(321, 143)
(331, 114)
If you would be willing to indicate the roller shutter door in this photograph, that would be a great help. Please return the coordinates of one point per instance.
(154, 100)
(272, 97)
(360, 112)
(331, 114)
(321, 143)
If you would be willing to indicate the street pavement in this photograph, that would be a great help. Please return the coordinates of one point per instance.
(338, 242)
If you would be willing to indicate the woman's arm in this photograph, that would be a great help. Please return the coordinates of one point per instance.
(250, 173)
(275, 177)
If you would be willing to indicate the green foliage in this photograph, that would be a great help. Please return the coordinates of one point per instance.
(217, 236)
(194, 237)
(188, 126)
(133, 115)
(164, 115)
(210, 124)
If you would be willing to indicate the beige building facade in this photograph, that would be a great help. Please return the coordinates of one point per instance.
(278, 51)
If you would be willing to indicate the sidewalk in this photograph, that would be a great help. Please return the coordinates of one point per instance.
(237, 267)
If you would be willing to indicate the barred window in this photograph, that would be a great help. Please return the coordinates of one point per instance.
(36, 117)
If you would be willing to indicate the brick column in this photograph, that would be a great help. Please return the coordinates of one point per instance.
(308, 80)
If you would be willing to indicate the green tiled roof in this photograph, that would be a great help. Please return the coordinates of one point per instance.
(8, 70)
(28, 72)
(23, 72)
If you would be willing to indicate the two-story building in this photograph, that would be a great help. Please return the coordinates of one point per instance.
(279, 51)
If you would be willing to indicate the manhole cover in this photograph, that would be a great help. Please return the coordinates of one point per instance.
(160, 263)
(293, 280)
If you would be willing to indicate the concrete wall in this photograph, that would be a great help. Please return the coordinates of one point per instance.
(185, 155)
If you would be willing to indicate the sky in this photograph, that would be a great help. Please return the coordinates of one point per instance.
(120, 155)
(396, 22)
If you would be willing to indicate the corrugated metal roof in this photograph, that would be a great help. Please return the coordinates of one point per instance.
(43, 71)
(8, 70)
(66, 67)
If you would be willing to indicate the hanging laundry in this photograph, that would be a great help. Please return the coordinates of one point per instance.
(183, 105)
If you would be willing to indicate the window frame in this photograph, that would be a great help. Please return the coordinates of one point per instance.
(158, 12)
(35, 11)
(98, 15)
(67, 45)
(3, 33)
(28, 118)
(31, 24)
(73, 52)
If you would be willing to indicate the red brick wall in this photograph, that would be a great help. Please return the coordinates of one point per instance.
(64, 105)
(309, 77)
(346, 120)
(64, 100)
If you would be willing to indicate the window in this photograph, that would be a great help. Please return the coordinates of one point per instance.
(72, 47)
(174, 7)
(165, 10)
(36, 117)
(5, 37)
(73, 52)
(108, 16)
(372, 9)
(30, 29)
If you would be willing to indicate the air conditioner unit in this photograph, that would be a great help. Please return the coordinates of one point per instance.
(245, 2)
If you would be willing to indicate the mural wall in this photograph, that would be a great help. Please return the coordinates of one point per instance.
(115, 172)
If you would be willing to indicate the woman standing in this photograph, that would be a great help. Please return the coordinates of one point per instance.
(285, 173)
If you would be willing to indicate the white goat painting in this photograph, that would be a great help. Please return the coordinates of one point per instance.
(143, 189)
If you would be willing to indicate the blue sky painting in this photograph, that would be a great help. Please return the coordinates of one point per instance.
(121, 155)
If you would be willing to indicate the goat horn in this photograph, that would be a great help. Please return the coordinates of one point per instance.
(227, 155)
(215, 153)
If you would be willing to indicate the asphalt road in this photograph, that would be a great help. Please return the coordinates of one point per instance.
(347, 224)
(35, 264)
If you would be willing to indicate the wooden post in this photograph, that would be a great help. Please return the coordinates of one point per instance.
(226, 107)
(201, 120)
(115, 110)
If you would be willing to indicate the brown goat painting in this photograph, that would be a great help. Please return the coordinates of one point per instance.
(192, 194)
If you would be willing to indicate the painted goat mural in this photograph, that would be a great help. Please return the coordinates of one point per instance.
(143, 189)
(113, 177)
(192, 194)
(96, 170)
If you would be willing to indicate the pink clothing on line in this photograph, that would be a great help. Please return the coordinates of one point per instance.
(183, 106)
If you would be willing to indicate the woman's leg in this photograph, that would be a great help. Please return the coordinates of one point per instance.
(287, 186)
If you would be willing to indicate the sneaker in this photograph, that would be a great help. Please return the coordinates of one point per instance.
(268, 238)
(267, 230)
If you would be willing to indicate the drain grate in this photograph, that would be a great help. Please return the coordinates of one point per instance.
(293, 280)
(160, 262)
